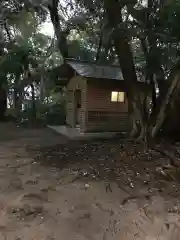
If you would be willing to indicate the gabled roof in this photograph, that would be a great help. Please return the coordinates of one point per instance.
(89, 70)
(93, 70)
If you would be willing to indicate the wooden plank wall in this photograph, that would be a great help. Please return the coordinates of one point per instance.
(101, 113)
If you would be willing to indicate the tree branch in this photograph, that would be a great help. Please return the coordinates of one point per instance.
(60, 34)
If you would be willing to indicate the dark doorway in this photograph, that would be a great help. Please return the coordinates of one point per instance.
(77, 106)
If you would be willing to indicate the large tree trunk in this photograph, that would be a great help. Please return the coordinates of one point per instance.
(33, 101)
(3, 103)
(3, 95)
(124, 52)
(164, 107)
(42, 90)
(2, 40)
(154, 70)
(98, 54)
(15, 98)
(19, 101)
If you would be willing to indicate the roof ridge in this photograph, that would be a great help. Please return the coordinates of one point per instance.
(92, 63)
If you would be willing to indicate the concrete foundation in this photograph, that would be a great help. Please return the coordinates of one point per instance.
(74, 133)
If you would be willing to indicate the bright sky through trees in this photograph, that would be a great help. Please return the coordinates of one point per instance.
(47, 28)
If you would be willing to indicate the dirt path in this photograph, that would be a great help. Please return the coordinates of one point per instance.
(44, 203)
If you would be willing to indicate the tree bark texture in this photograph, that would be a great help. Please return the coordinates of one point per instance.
(165, 104)
(60, 34)
(124, 52)
(3, 103)
(33, 102)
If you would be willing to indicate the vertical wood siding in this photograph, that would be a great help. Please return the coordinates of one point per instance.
(76, 83)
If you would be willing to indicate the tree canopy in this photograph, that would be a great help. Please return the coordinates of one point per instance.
(142, 36)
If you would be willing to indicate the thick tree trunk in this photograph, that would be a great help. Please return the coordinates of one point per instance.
(164, 107)
(154, 58)
(42, 90)
(98, 54)
(2, 40)
(19, 101)
(15, 98)
(3, 103)
(124, 52)
(33, 103)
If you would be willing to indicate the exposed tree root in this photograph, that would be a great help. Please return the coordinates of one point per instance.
(173, 162)
(147, 197)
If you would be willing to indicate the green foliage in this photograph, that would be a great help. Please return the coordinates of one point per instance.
(84, 28)
(56, 114)
(160, 25)
(48, 114)
(78, 50)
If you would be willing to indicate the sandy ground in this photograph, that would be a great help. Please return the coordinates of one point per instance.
(43, 203)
